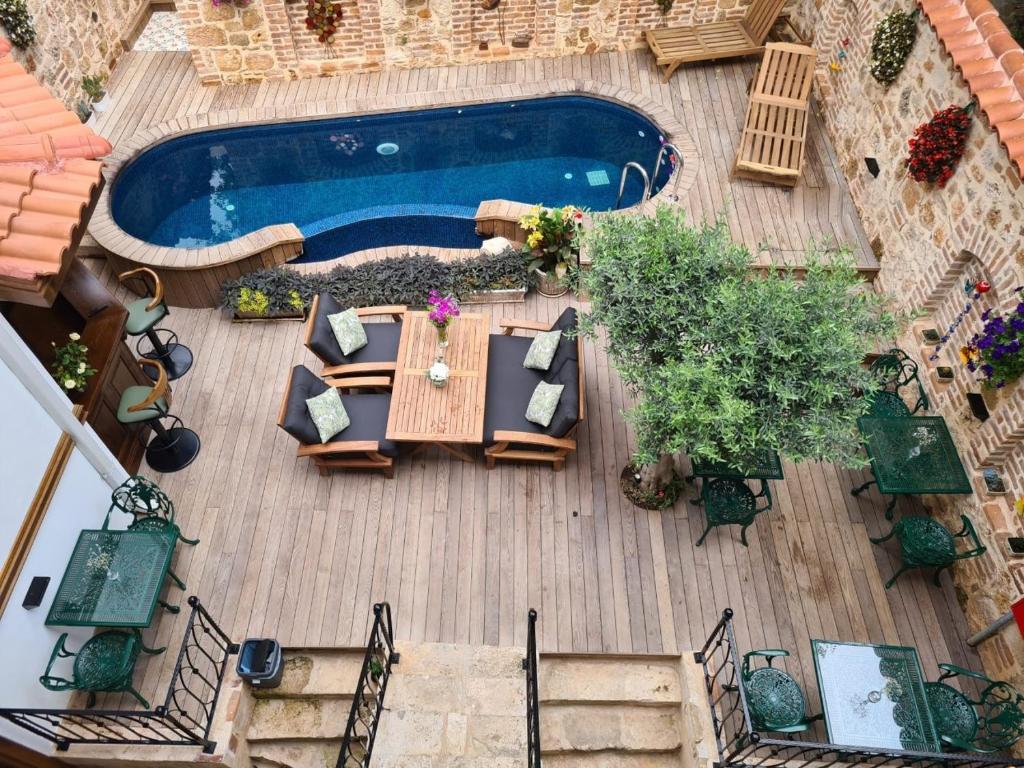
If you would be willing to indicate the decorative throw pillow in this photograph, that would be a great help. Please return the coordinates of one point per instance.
(543, 403)
(328, 413)
(542, 351)
(348, 330)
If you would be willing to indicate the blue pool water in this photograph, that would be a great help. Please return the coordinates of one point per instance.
(397, 178)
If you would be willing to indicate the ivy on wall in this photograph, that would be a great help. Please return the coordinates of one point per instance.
(17, 22)
(891, 45)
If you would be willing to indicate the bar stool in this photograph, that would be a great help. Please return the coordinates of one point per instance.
(144, 314)
(174, 447)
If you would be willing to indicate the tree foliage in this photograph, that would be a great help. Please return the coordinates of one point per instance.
(725, 361)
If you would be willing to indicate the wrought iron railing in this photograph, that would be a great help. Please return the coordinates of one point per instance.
(532, 697)
(185, 717)
(368, 703)
(740, 746)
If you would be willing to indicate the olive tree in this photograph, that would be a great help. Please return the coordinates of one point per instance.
(721, 359)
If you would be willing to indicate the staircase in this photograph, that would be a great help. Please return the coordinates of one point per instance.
(607, 711)
(300, 724)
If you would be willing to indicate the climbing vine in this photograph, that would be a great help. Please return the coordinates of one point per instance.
(15, 18)
(891, 45)
(322, 18)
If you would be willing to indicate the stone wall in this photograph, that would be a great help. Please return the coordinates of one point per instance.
(929, 241)
(269, 39)
(76, 38)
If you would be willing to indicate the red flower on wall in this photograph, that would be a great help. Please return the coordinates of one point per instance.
(322, 18)
(937, 146)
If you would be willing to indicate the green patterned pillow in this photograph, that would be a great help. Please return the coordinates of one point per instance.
(542, 351)
(348, 330)
(543, 403)
(328, 413)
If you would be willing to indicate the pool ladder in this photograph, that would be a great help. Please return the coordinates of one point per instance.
(666, 147)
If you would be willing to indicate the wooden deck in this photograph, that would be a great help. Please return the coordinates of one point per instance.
(461, 552)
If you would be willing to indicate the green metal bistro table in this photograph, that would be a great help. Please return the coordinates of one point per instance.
(763, 465)
(911, 455)
(873, 696)
(113, 579)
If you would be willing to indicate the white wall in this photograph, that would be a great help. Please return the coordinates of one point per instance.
(28, 436)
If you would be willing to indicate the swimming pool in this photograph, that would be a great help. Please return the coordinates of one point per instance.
(361, 182)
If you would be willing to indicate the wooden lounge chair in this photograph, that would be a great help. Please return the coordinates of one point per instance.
(364, 445)
(775, 128)
(507, 433)
(673, 46)
(377, 357)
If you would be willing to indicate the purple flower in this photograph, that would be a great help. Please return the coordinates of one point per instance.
(985, 315)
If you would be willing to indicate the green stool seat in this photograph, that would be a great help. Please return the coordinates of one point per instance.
(728, 501)
(925, 543)
(141, 319)
(131, 397)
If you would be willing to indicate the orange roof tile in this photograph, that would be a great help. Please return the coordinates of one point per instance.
(990, 60)
(48, 173)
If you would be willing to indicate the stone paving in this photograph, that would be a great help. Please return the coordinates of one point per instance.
(163, 32)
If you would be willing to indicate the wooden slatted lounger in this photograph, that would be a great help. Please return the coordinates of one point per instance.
(673, 46)
(775, 128)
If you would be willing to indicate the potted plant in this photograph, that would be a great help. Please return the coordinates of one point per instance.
(70, 367)
(267, 295)
(552, 241)
(997, 351)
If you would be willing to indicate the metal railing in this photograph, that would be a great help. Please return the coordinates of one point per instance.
(739, 745)
(185, 717)
(532, 697)
(368, 703)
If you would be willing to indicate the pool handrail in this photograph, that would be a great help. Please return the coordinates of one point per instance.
(622, 183)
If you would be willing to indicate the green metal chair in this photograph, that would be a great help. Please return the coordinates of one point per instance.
(925, 543)
(150, 507)
(991, 723)
(774, 699)
(731, 502)
(896, 370)
(105, 663)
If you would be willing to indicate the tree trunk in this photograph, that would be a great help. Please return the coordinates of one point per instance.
(654, 477)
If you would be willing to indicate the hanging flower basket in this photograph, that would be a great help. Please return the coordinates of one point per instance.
(891, 45)
(997, 352)
(17, 22)
(937, 146)
(322, 19)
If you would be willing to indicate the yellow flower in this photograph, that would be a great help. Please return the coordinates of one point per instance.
(1019, 505)
(534, 239)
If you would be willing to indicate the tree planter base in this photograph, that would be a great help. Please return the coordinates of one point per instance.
(551, 287)
(661, 499)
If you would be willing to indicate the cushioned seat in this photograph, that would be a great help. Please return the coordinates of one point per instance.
(132, 396)
(141, 319)
(368, 414)
(381, 338)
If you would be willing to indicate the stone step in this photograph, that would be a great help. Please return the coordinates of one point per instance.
(609, 680)
(614, 759)
(295, 754)
(298, 719)
(317, 673)
(596, 728)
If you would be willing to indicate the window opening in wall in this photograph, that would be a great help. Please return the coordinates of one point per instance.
(978, 407)
(872, 165)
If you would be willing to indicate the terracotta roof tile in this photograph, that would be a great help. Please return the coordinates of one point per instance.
(990, 60)
(48, 173)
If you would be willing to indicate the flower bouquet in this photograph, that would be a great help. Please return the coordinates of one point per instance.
(552, 238)
(997, 352)
(443, 309)
(71, 367)
(937, 146)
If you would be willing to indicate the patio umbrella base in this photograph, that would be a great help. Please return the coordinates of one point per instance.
(176, 361)
(172, 451)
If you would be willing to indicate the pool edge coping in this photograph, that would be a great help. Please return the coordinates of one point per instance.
(112, 238)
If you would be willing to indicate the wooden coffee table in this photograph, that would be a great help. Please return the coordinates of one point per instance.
(451, 416)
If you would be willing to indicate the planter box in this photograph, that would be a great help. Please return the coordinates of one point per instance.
(253, 317)
(496, 296)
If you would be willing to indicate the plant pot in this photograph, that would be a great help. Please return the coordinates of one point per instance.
(549, 285)
(496, 296)
(251, 317)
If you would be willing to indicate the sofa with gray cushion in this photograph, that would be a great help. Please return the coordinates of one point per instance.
(507, 432)
(361, 445)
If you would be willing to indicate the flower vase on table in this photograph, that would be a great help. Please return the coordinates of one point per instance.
(442, 311)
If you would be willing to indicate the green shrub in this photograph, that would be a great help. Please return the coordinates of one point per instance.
(15, 19)
(402, 280)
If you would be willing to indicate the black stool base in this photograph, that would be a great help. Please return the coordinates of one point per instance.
(176, 362)
(173, 451)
